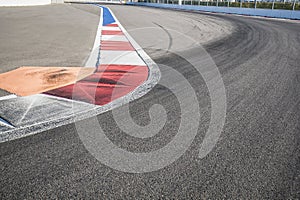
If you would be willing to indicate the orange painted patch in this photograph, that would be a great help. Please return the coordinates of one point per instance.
(26, 81)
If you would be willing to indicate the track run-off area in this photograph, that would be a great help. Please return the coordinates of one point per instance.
(257, 152)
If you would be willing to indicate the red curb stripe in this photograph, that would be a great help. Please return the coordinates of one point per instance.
(112, 25)
(116, 45)
(110, 32)
(108, 83)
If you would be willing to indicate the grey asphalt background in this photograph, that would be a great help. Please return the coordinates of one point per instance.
(257, 155)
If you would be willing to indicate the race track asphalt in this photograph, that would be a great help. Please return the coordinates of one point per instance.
(257, 154)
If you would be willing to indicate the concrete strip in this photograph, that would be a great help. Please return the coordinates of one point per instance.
(37, 112)
(31, 107)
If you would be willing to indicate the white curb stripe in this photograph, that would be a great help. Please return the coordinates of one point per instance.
(110, 28)
(120, 58)
(119, 38)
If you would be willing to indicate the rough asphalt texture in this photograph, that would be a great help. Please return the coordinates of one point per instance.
(256, 157)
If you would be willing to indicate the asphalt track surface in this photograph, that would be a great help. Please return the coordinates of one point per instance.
(257, 155)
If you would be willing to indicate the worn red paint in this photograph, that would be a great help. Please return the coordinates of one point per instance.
(108, 83)
(116, 45)
(110, 32)
(112, 25)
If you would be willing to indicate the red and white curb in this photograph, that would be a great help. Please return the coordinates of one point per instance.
(113, 48)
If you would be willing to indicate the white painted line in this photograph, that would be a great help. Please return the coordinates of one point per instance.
(119, 38)
(6, 124)
(92, 61)
(121, 58)
(10, 96)
(110, 28)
